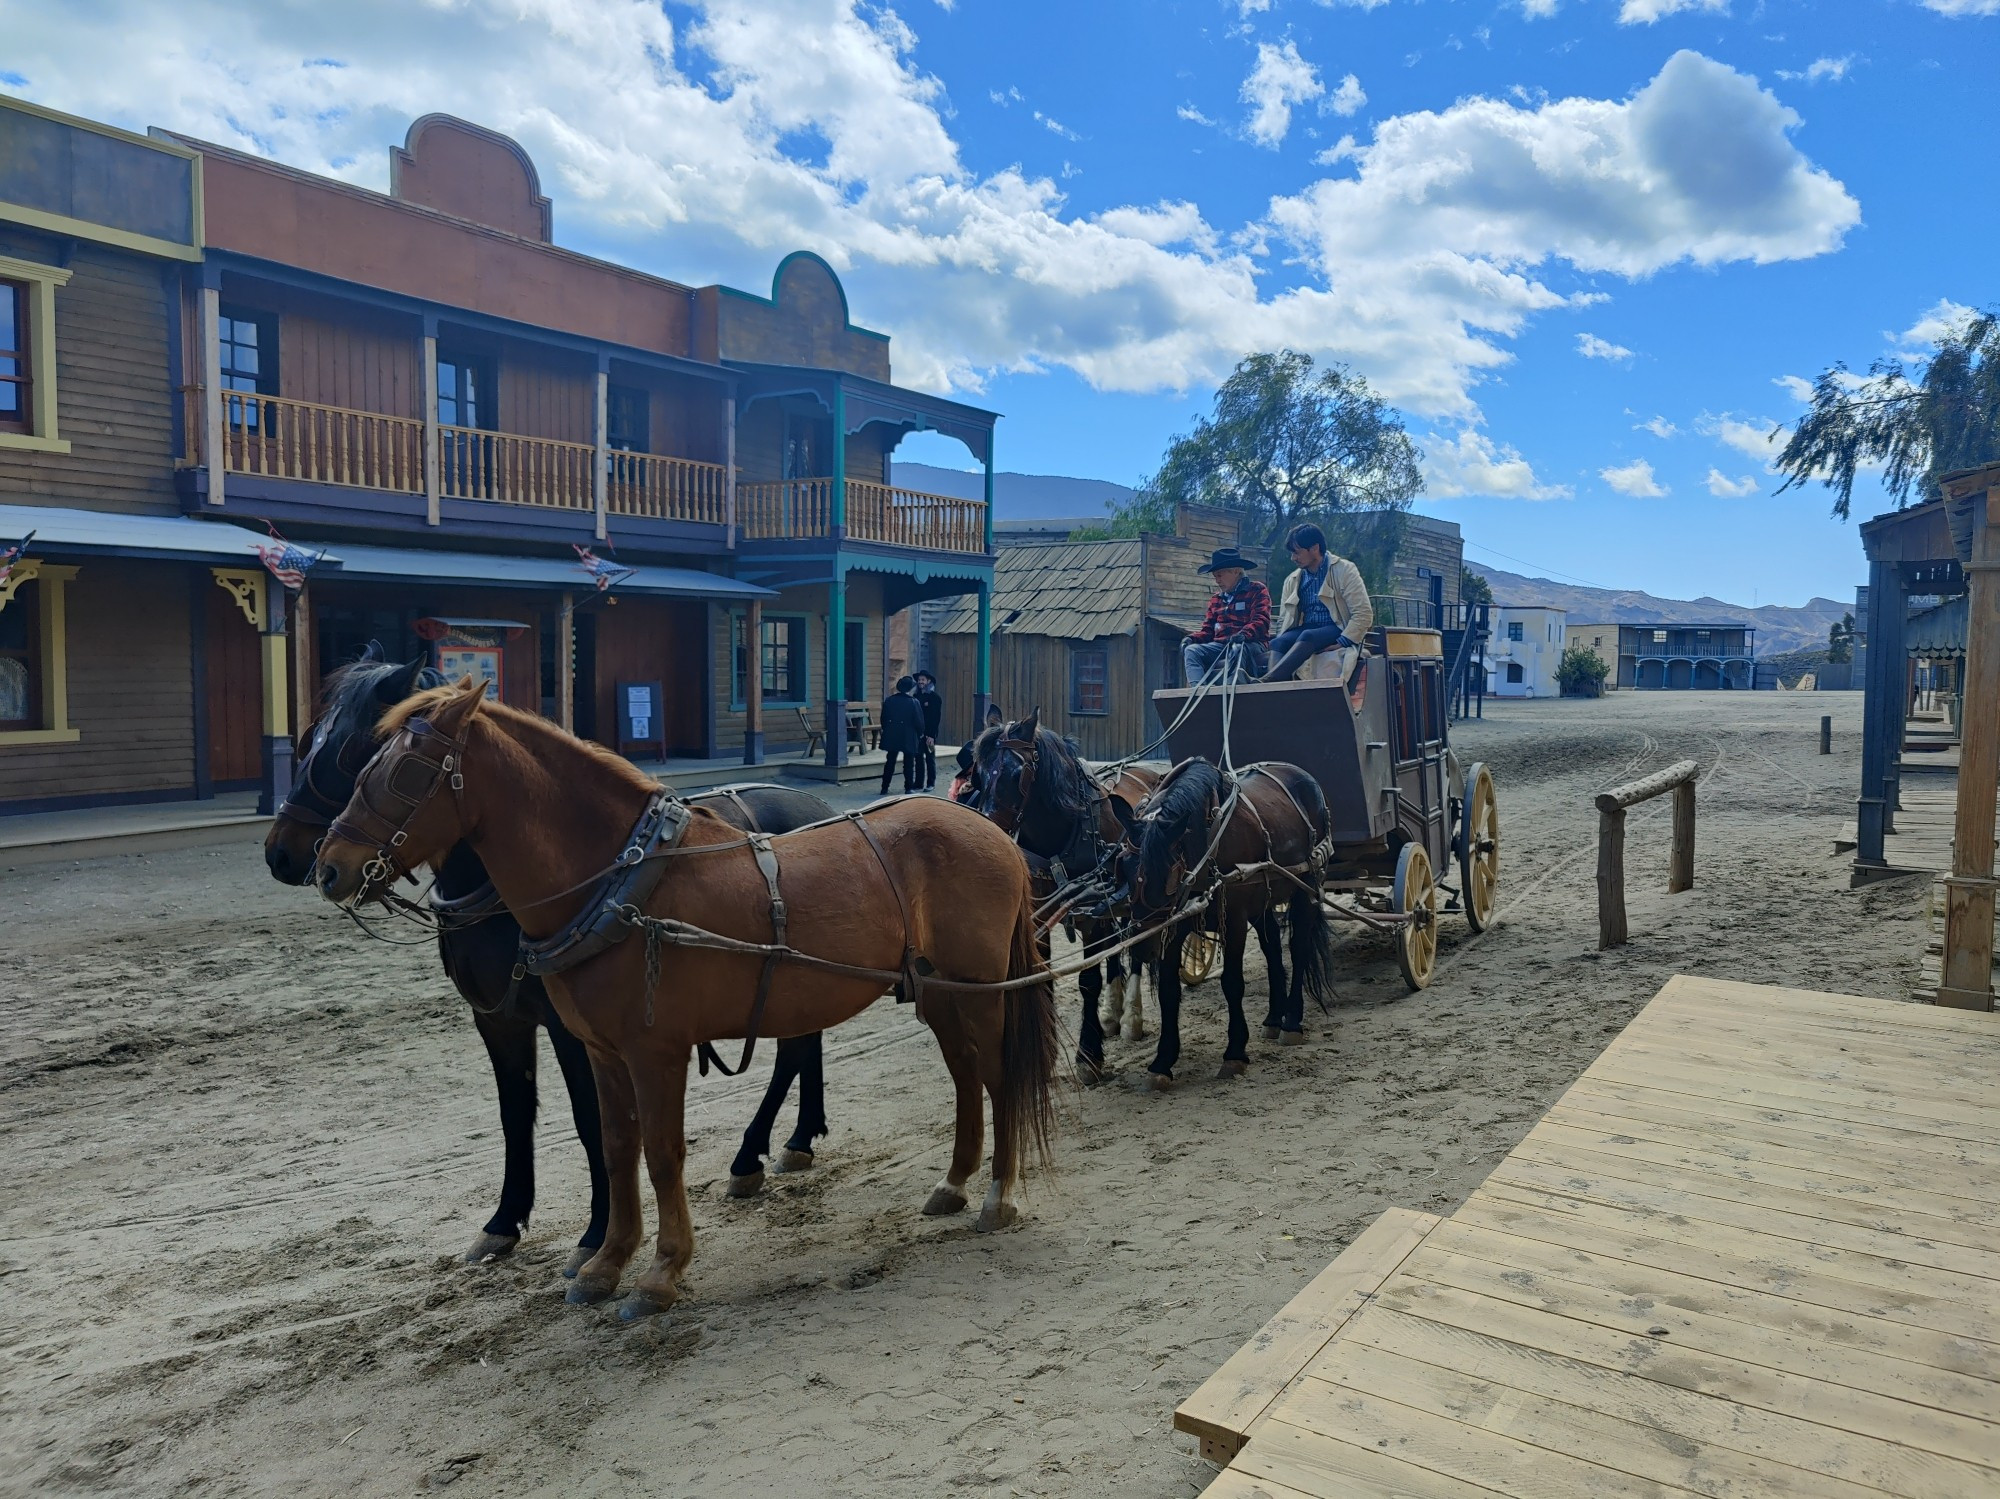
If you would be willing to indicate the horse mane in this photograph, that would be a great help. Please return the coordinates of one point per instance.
(1063, 781)
(1183, 798)
(432, 699)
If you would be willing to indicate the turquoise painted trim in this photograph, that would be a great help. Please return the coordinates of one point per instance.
(846, 317)
(839, 456)
(986, 521)
(836, 635)
(922, 570)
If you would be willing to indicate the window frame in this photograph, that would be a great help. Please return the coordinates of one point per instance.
(1517, 632)
(26, 604)
(738, 679)
(485, 393)
(241, 410)
(1081, 652)
(1515, 673)
(630, 396)
(48, 631)
(38, 282)
(19, 351)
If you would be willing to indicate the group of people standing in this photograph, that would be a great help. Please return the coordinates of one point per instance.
(912, 716)
(1325, 606)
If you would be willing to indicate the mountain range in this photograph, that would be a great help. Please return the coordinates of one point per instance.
(1052, 496)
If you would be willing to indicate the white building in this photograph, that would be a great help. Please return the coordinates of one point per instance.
(1526, 647)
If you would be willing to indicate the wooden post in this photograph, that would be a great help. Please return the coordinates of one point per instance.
(753, 683)
(566, 663)
(836, 667)
(302, 659)
(1967, 978)
(277, 742)
(1826, 733)
(214, 446)
(1611, 878)
(1680, 871)
(729, 477)
(600, 485)
(433, 458)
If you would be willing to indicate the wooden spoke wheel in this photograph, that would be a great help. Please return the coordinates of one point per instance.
(1198, 955)
(1479, 849)
(1416, 895)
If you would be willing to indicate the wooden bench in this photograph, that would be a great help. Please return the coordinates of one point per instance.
(1235, 1397)
(815, 733)
(862, 732)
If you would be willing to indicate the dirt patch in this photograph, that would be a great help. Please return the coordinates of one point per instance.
(245, 1145)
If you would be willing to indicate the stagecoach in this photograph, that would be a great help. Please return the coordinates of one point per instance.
(1407, 817)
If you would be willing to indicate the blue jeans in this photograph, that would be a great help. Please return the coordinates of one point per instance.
(1296, 647)
(1197, 656)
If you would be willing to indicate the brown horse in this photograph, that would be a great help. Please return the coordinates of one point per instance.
(914, 887)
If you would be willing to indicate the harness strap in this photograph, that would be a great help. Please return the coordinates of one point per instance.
(912, 981)
(767, 861)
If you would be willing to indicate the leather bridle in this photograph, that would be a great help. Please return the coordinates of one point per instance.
(1028, 753)
(309, 804)
(412, 767)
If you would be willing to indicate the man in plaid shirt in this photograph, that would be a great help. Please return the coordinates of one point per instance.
(1239, 616)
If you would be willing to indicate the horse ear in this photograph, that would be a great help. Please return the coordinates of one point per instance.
(399, 684)
(464, 701)
(373, 652)
(1033, 722)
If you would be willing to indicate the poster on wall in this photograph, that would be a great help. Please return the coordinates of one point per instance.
(481, 662)
(471, 648)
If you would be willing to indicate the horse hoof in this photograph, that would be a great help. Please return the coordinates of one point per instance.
(793, 1160)
(489, 1246)
(747, 1186)
(1291, 1038)
(942, 1201)
(1271, 1033)
(1161, 1081)
(578, 1258)
(637, 1306)
(1089, 1073)
(1135, 1032)
(584, 1292)
(1231, 1070)
(996, 1215)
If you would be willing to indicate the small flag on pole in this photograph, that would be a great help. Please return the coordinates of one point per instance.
(13, 554)
(604, 573)
(285, 562)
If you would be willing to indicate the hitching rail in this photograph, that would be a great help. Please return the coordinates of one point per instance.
(1677, 778)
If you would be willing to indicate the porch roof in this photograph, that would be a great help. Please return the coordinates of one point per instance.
(870, 401)
(169, 538)
(401, 564)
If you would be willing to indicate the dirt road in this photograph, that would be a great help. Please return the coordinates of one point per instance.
(243, 1148)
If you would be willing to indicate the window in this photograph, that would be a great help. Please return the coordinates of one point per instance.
(1514, 629)
(783, 653)
(17, 404)
(465, 393)
(1659, 637)
(28, 354)
(1088, 667)
(626, 415)
(1514, 671)
(249, 346)
(21, 660)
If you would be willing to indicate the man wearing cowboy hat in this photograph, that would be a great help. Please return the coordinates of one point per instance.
(1238, 619)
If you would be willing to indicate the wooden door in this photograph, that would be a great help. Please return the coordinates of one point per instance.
(235, 693)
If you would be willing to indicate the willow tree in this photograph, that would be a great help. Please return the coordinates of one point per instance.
(1916, 430)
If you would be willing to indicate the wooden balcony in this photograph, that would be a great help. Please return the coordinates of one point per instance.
(276, 437)
(875, 512)
(510, 470)
(658, 488)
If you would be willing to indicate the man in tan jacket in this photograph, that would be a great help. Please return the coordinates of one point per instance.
(1325, 605)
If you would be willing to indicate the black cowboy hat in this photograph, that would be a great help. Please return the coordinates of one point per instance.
(1225, 557)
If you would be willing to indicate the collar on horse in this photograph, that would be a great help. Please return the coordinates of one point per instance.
(598, 925)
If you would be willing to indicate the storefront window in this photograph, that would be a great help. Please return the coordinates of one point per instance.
(783, 653)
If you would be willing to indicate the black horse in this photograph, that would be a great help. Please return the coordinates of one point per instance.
(479, 943)
(1031, 782)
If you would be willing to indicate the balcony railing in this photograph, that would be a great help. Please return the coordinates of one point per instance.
(791, 507)
(281, 438)
(478, 465)
(660, 488)
(875, 512)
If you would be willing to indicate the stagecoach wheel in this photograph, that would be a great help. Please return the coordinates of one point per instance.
(1479, 849)
(1417, 896)
(1198, 955)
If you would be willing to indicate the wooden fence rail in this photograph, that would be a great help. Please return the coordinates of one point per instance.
(1678, 778)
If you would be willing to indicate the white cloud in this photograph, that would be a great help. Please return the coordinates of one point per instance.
(1646, 12)
(1964, 7)
(1194, 116)
(1348, 98)
(1724, 487)
(1248, 8)
(1056, 127)
(675, 146)
(1280, 80)
(1659, 426)
(1473, 464)
(1351, 4)
(1798, 387)
(1753, 439)
(1934, 325)
(1590, 346)
(1634, 479)
(1341, 150)
(1834, 68)
(1538, 10)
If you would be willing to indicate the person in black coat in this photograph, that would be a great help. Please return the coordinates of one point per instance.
(932, 703)
(902, 734)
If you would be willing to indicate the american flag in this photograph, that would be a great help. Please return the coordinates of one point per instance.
(10, 555)
(287, 563)
(603, 572)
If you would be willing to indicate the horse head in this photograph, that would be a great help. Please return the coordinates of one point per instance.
(331, 752)
(1166, 839)
(1008, 760)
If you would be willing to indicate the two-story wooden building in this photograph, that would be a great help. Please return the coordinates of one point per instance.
(1672, 655)
(421, 388)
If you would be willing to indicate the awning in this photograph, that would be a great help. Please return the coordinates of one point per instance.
(170, 538)
(407, 565)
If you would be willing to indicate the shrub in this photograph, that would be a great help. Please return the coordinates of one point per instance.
(1581, 672)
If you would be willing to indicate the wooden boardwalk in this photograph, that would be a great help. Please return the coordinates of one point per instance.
(1753, 1250)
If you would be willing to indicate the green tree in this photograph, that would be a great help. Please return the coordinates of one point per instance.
(1287, 443)
(1473, 587)
(1581, 672)
(1916, 430)
(1840, 639)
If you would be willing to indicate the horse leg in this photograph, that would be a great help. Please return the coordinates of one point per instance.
(575, 1063)
(1135, 1009)
(1167, 984)
(746, 1172)
(623, 1225)
(510, 1047)
(661, 1096)
(1235, 938)
(948, 1023)
(989, 1034)
(809, 1054)
(1090, 1034)
(1111, 1008)
(1271, 940)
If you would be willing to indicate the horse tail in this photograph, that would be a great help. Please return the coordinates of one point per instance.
(1028, 1045)
(1312, 947)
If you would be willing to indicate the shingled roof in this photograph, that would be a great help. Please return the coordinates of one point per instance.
(1077, 590)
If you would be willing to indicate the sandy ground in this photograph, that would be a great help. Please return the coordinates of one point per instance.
(243, 1147)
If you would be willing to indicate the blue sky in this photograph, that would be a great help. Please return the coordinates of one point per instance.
(1585, 245)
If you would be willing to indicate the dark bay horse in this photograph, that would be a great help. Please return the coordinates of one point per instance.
(1033, 785)
(479, 956)
(1277, 816)
(905, 892)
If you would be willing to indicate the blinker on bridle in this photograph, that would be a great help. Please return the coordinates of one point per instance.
(416, 763)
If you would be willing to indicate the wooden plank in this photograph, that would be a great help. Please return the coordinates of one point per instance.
(1886, 1029)
(1873, 1073)
(1221, 1412)
(1652, 1199)
(1315, 1462)
(1689, 1415)
(1710, 1078)
(1752, 997)
(1232, 1484)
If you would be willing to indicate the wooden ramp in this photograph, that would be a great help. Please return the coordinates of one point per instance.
(1754, 1249)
